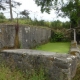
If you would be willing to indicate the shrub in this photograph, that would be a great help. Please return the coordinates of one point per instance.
(57, 37)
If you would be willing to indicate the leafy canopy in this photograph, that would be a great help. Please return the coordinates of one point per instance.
(25, 13)
(69, 8)
(4, 4)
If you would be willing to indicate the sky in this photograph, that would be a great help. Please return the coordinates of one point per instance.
(35, 11)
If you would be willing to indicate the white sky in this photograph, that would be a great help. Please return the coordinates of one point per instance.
(35, 11)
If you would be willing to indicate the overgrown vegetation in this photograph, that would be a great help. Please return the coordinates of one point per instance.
(13, 74)
(52, 24)
(77, 76)
(28, 21)
(57, 37)
(60, 35)
(69, 8)
(59, 47)
(7, 74)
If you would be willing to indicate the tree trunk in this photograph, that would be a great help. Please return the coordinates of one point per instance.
(11, 16)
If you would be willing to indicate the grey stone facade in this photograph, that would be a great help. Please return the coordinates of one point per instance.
(33, 36)
(7, 35)
(29, 37)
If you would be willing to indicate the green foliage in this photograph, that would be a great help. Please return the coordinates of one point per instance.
(7, 74)
(2, 20)
(56, 24)
(53, 24)
(45, 5)
(5, 3)
(25, 14)
(39, 76)
(57, 37)
(66, 25)
(2, 16)
(34, 22)
(69, 8)
(27, 21)
(14, 74)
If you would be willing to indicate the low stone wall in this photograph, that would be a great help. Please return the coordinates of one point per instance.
(75, 50)
(56, 66)
(29, 37)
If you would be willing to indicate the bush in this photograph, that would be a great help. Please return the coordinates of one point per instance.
(57, 37)
(2, 16)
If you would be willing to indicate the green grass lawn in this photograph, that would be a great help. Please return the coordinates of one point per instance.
(60, 47)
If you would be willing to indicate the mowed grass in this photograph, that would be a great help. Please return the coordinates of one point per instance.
(59, 47)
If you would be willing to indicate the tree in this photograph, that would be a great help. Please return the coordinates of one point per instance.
(69, 8)
(25, 14)
(2, 16)
(1, 5)
(9, 4)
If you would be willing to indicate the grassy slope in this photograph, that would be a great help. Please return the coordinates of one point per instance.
(61, 47)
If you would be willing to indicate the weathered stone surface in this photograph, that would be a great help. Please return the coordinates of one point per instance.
(7, 35)
(29, 37)
(74, 44)
(74, 50)
(34, 36)
(56, 66)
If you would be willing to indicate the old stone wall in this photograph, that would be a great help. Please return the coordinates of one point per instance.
(56, 66)
(29, 37)
(7, 35)
(33, 36)
(75, 50)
